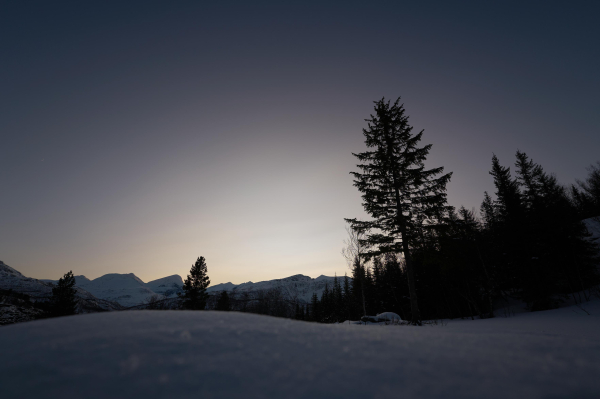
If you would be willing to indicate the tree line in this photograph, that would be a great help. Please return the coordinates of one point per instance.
(529, 243)
(423, 259)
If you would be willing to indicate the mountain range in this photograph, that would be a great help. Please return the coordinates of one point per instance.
(128, 289)
(22, 298)
(295, 288)
(115, 291)
(121, 291)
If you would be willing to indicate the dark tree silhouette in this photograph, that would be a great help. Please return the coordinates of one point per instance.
(354, 251)
(403, 198)
(586, 194)
(223, 303)
(63, 301)
(194, 287)
(537, 244)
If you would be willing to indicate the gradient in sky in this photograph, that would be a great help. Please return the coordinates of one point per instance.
(137, 136)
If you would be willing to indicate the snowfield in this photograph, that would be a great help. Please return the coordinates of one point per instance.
(187, 354)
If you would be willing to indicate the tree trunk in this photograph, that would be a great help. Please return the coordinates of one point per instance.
(410, 273)
(362, 286)
(489, 280)
(412, 288)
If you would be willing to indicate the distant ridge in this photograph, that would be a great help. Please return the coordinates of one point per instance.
(298, 287)
(15, 309)
(128, 289)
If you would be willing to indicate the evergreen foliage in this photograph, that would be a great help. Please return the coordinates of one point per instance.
(223, 303)
(403, 198)
(586, 194)
(315, 308)
(63, 301)
(194, 295)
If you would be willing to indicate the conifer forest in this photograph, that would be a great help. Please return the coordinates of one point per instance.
(426, 260)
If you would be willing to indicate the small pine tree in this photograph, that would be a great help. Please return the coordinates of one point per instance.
(63, 301)
(194, 287)
(488, 211)
(299, 312)
(224, 303)
(315, 308)
(347, 299)
(326, 305)
(338, 300)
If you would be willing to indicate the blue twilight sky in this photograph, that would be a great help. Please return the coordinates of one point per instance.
(136, 136)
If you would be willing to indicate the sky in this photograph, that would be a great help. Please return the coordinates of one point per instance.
(136, 136)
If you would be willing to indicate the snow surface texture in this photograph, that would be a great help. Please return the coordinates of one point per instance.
(298, 287)
(187, 354)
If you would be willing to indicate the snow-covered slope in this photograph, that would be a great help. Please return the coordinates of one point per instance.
(11, 279)
(166, 286)
(298, 287)
(126, 289)
(186, 354)
(41, 291)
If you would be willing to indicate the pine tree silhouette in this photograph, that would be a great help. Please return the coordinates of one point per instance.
(403, 198)
(194, 287)
(223, 303)
(586, 194)
(63, 301)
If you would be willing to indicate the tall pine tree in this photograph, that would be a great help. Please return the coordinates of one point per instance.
(195, 285)
(403, 198)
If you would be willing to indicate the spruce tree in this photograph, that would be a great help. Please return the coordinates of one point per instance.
(488, 211)
(326, 305)
(562, 260)
(347, 300)
(314, 308)
(358, 288)
(509, 204)
(509, 231)
(403, 198)
(299, 315)
(338, 300)
(194, 287)
(534, 235)
(586, 194)
(63, 301)
(378, 286)
(223, 303)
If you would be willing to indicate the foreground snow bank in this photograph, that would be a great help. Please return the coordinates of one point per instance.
(182, 354)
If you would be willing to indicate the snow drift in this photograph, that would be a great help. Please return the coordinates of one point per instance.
(186, 354)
